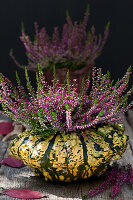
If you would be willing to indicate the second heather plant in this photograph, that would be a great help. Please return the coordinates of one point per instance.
(74, 48)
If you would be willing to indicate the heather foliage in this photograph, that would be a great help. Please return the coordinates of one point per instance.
(73, 49)
(115, 177)
(60, 107)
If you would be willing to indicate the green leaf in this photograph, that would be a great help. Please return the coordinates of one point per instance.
(80, 23)
(67, 13)
(10, 114)
(117, 81)
(37, 80)
(67, 107)
(27, 79)
(29, 86)
(124, 99)
(1, 77)
(65, 82)
(68, 81)
(53, 114)
(129, 69)
(11, 51)
(18, 79)
(62, 95)
(88, 8)
(111, 83)
(132, 89)
(117, 108)
(107, 25)
(39, 113)
(95, 101)
(114, 91)
(107, 76)
(22, 26)
(39, 75)
(99, 35)
(40, 72)
(100, 113)
(125, 104)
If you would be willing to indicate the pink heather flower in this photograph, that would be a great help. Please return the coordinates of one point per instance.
(116, 176)
(61, 107)
(68, 120)
(74, 48)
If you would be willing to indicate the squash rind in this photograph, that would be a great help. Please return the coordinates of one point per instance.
(73, 156)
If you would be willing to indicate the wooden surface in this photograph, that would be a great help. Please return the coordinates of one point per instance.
(24, 178)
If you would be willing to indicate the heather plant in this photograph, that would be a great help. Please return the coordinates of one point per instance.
(73, 49)
(60, 107)
(116, 176)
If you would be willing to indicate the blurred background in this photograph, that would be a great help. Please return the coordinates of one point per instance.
(117, 54)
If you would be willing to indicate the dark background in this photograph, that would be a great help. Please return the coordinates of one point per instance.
(117, 55)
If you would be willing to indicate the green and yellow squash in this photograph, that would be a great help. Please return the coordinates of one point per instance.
(72, 156)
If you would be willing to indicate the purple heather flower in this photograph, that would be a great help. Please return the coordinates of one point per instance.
(75, 47)
(61, 107)
(116, 176)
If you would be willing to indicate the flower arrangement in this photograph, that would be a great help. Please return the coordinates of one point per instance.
(74, 134)
(60, 108)
(74, 49)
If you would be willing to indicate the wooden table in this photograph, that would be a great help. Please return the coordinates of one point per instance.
(24, 178)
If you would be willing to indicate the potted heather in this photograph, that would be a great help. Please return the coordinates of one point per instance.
(76, 49)
(73, 135)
